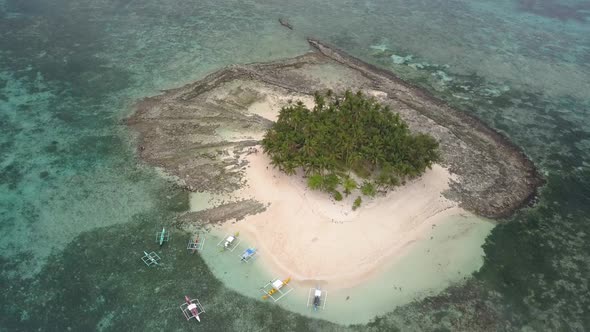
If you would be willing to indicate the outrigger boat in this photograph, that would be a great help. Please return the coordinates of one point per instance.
(317, 298)
(150, 259)
(275, 291)
(197, 244)
(248, 254)
(162, 236)
(230, 242)
(191, 308)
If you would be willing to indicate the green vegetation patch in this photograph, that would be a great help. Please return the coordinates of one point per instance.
(344, 137)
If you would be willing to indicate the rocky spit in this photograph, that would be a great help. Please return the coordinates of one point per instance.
(198, 132)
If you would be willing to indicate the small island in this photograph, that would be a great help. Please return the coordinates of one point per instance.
(347, 139)
(396, 163)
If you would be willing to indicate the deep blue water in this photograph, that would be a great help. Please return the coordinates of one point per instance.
(76, 205)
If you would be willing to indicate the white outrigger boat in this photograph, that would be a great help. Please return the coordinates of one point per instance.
(230, 242)
(317, 298)
(150, 258)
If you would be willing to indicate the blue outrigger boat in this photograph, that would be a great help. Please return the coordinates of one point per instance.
(247, 254)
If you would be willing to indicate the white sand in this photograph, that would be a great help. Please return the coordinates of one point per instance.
(445, 255)
(273, 102)
(306, 235)
(396, 248)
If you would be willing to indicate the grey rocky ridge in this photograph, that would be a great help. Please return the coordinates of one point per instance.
(199, 131)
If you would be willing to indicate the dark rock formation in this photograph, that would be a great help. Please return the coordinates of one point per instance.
(196, 132)
(285, 23)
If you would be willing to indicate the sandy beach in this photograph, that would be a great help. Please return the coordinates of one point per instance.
(307, 235)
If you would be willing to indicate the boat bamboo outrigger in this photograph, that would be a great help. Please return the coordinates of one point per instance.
(317, 298)
(150, 259)
(248, 254)
(163, 236)
(197, 244)
(192, 308)
(276, 289)
(229, 242)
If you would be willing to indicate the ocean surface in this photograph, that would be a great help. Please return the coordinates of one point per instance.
(77, 208)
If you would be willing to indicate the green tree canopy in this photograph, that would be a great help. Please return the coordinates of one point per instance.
(344, 134)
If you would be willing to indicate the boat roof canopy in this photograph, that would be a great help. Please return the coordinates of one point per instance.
(277, 284)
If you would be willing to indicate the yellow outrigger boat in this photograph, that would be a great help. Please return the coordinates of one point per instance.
(276, 287)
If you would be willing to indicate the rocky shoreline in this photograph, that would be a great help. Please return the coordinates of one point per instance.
(199, 132)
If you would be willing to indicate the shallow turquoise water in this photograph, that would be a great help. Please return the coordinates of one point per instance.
(446, 254)
(76, 208)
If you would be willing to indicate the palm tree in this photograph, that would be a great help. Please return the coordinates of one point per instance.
(368, 189)
(344, 134)
(349, 185)
(315, 182)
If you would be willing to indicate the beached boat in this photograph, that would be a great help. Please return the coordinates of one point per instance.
(197, 244)
(229, 242)
(248, 254)
(317, 298)
(275, 291)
